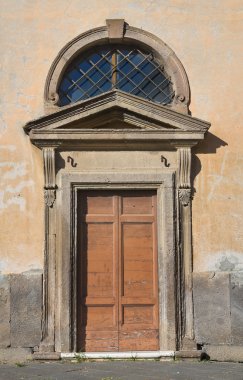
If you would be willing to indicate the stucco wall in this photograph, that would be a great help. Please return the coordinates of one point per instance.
(206, 37)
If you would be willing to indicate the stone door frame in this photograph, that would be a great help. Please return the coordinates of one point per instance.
(71, 183)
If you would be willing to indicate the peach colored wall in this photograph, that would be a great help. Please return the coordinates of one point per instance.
(207, 37)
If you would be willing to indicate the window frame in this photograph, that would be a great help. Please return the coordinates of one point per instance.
(128, 35)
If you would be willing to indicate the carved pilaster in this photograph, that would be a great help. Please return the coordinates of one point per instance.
(48, 320)
(184, 198)
(49, 176)
(184, 175)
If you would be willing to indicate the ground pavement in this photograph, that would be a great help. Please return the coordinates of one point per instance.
(122, 370)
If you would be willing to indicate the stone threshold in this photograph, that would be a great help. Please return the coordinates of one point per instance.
(119, 355)
(193, 354)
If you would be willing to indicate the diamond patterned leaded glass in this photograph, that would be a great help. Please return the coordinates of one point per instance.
(127, 69)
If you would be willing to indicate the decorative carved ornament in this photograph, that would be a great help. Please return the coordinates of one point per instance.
(49, 197)
(185, 196)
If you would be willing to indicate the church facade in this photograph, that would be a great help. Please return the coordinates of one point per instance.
(121, 181)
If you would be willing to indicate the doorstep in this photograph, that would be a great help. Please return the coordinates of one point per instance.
(119, 355)
(166, 355)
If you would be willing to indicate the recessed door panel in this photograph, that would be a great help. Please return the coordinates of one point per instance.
(100, 260)
(117, 298)
(137, 259)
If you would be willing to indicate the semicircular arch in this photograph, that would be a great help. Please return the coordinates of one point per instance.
(129, 36)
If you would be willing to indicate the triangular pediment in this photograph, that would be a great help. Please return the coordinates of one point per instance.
(115, 118)
(115, 112)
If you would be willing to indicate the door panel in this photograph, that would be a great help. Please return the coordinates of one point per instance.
(138, 273)
(97, 308)
(117, 271)
(136, 204)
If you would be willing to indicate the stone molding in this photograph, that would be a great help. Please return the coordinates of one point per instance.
(118, 31)
(113, 115)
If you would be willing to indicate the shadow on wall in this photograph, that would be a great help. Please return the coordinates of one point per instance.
(208, 146)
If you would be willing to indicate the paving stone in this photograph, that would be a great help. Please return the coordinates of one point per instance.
(211, 292)
(4, 311)
(237, 307)
(26, 304)
(112, 370)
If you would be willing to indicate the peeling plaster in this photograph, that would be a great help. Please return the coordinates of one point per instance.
(19, 187)
(16, 198)
(17, 169)
(3, 125)
(10, 148)
(17, 267)
(217, 178)
(223, 261)
(4, 264)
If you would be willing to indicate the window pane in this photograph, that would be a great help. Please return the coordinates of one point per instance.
(137, 72)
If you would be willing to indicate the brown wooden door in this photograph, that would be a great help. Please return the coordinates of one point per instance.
(117, 271)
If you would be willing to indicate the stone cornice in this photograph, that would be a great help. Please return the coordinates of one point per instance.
(149, 113)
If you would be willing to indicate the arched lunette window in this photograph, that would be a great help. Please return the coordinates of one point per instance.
(126, 68)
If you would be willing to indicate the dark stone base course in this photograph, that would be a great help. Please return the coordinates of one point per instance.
(225, 353)
(21, 309)
(15, 355)
(236, 289)
(218, 309)
(4, 311)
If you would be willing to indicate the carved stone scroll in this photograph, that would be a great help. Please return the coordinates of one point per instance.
(184, 196)
(49, 196)
(49, 176)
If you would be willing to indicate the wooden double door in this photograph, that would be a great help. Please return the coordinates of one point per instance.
(117, 279)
